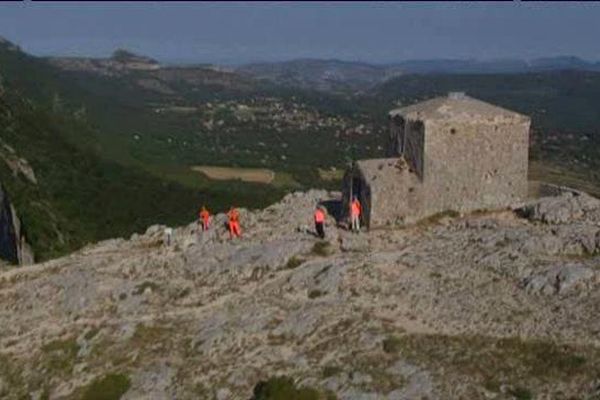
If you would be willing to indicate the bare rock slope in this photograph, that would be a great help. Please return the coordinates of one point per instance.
(495, 305)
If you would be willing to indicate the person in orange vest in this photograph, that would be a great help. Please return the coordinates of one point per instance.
(319, 221)
(234, 223)
(204, 218)
(355, 211)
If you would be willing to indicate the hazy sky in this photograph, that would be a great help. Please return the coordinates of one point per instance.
(241, 32)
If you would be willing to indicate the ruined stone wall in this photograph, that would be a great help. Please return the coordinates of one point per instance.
(472, 166)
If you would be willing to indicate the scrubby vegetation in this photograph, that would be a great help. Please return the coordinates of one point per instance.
(437, 217)
(60, 355)
(321, 248)
(284, 388)
(392, 344)
(109, 387)
(314, 293)
(294, 262)
(493, 362)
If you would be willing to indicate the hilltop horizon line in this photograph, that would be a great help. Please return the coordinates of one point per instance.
(333, 59)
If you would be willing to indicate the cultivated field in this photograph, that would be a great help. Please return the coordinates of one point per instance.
(331, 174)
(577, 179)
(257, 175)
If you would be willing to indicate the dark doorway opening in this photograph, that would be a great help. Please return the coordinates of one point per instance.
(334, 208)
(356, 188)
(358, 191)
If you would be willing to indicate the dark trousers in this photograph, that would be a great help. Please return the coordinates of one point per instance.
(320, 230)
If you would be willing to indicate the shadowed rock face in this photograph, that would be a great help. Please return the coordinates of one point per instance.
(13, 244)
(9, 241)
(489, 305)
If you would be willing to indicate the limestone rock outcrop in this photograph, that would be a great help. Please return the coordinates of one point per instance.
(561, 209)
(560, 279)
(488, 305)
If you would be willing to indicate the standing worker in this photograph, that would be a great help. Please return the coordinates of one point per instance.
(168, 236)
(355, 211)
(205, 218)
(319, 221)
(234, 223)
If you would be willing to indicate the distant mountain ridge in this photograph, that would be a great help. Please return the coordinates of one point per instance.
(330, 75)
(497, 66)
(338, 75)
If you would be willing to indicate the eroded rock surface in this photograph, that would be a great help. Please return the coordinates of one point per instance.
(562, 209)
(490, 305)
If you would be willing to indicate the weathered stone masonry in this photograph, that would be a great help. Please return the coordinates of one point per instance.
(448, 153)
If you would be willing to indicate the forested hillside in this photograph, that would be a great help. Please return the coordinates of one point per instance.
(80, 195)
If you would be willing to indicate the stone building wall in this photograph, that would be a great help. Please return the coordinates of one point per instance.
(407, 139)
(394, 147)
(448, 153)
(390, 195)
(472, 166)
(414, 145)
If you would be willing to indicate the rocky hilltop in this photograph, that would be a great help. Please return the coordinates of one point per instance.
(121, 62)
(149, 74)
(491, 305)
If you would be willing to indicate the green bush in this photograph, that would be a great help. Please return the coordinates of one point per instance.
(284, 388)
(294, 262)
(321, 249)
(435, 218)
(109, 387)
(392, 344)
(60, 355)
(331, 370)
(520, 393)
(313, 294)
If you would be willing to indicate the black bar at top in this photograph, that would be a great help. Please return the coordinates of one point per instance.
(330, 2)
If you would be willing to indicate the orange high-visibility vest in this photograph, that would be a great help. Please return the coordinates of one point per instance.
(233, 215)
(355, 208)
(319, 216)
(204, 215)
